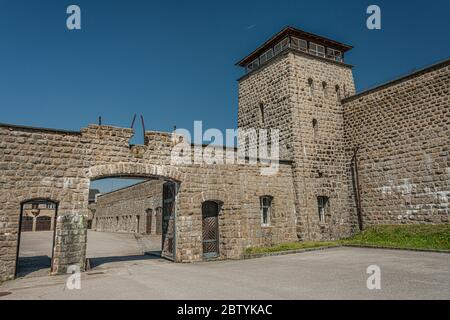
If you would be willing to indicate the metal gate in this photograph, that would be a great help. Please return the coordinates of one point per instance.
(158, 221)
(210, 229)
(168, 221)
(27, 224)
(148, 225)
(43, 223)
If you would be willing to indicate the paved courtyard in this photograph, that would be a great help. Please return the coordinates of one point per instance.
(338, 273)
(103, 248)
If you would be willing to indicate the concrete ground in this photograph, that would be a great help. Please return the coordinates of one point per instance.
(338, 273)
(103, 248)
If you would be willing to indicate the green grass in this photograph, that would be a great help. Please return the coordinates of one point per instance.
(435, 237)
(430, 237)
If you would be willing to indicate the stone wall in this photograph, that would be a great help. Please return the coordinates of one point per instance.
(133, 209)
(59, 165)
(267, 88)
(402, 130)
(320, 168)
(297, 90)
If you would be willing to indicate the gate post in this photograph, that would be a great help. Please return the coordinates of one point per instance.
(70, 243)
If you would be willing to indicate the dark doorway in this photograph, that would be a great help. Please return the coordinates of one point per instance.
(168, 221)
(43, 223)
(27, 224)
(126, 224)
(119, 214)
(36, 238)
(210, 229)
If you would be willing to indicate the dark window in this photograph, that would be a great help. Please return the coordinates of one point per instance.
(210, 208)
(311, 86)
(338, 92)
(325, 89)
(253, 65)
(323, 208)
(315, 127)
(335, 55)
(266, 210)
(261, 110)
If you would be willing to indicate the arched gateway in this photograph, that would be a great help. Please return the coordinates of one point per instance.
(60, 165)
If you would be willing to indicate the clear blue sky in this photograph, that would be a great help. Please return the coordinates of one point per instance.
(173, 61)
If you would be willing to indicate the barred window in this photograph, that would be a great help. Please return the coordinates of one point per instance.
(325, 89)
(323, 208)
(311, 86)
(50, 205)
(266, 210)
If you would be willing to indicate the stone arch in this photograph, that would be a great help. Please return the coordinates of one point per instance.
(16, 199)
(211, 195)
(135, 170)
(171, 174)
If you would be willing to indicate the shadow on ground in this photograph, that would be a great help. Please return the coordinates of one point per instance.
(38, 265)
(98, 261)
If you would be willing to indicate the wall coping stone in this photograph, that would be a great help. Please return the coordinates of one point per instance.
(428, 69)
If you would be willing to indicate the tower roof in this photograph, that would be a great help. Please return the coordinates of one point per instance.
(291, 31)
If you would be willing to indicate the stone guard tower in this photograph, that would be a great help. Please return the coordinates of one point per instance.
(294, 82)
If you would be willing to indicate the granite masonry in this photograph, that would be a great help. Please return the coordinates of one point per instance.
(134, 209)
(347, 161)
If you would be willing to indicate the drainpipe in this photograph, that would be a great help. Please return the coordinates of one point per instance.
(356, 188)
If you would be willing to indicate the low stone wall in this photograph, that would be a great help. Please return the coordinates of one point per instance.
(58, 165)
